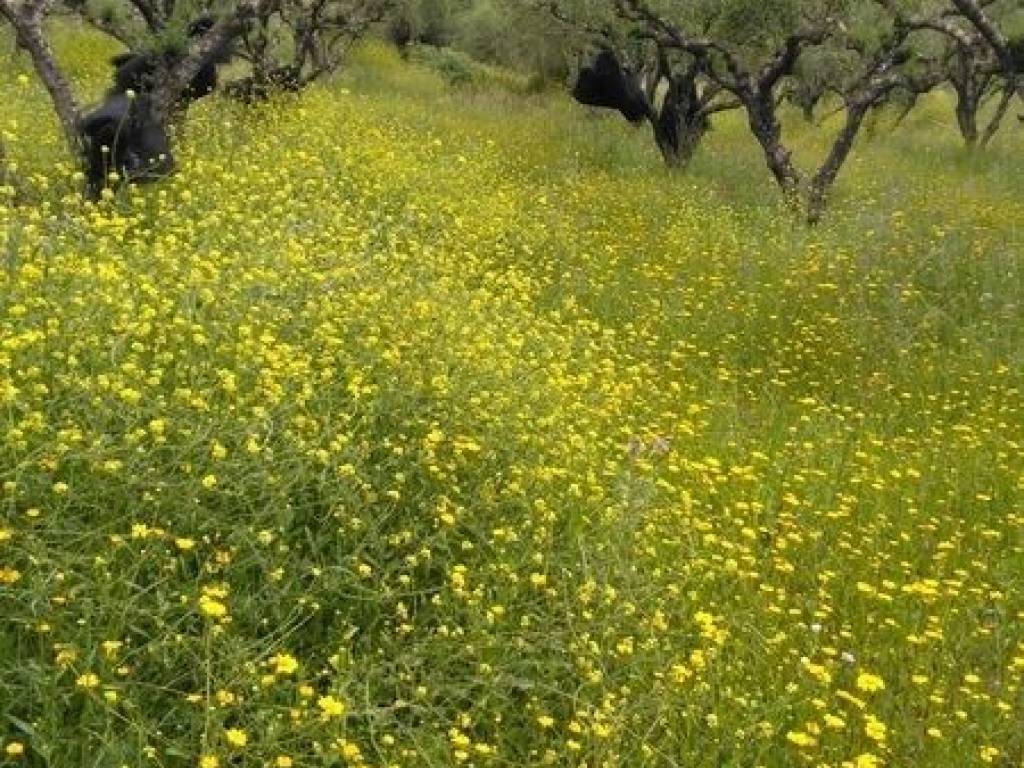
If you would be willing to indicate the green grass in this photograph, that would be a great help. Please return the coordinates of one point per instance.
(408, 426)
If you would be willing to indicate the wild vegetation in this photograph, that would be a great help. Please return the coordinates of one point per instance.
(410, 426)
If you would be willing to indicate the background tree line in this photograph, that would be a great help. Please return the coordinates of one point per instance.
(671, 64)
(682, 62)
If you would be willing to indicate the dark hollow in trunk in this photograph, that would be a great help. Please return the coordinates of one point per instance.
(608, 85)
(681, 120)
(681, 124)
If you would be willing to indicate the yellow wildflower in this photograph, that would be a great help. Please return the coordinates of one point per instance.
(331, 706)
(236, 737)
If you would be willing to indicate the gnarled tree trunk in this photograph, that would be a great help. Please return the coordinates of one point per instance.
(975, 12)
(970, 85)
(764, 124)
(967, 116)
(28, 26)
(216, 39)
(822, 182)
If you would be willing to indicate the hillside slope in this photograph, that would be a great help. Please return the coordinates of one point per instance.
(414, 428)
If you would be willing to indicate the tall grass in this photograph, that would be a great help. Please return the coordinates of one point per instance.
(409, 427)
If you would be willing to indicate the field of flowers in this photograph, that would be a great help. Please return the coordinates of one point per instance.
(411, 428)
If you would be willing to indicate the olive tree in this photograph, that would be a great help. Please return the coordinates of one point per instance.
(984, 16)
(749, 49)
(289, 44)
(664, 86)
(26, 16)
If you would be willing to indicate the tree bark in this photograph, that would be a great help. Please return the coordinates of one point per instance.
(678, 139)
(823, 181)
(28, 25)
(168, 95)
(764, 124)
(970, 85)
(997, 119)
(967, 115)
(974, 12)
(155, 21)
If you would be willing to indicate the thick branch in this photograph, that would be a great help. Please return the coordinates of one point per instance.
(785, 59)
(669, 35)
(975, 14)
(857, 106)
(997, 119)
(104, 25)
(151, 14)
(201, 53)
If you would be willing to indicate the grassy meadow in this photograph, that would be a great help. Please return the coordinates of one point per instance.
(409, 426)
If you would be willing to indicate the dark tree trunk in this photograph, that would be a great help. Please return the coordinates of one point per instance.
(809, 194)
(28, 26)
(168, 96)
(305, 44)
(974, 11)
(967, 115)
(858, 105)
(680, 145)
(1005, 50)
(970, 85)
(764, 124)
(822, 182)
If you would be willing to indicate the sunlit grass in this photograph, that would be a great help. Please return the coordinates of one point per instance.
(420, 428)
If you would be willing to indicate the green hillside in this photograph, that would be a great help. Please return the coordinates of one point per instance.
(410, 425)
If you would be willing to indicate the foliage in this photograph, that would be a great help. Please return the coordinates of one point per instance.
(507, 33)
(460, 70)
(418, 430)
(502, 32)
(431, 22)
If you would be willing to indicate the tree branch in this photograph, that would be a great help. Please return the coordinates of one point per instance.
(974, 13)
(151, 14)
(669, 35)
(997, 119)
(785, 59)
(104, 25)
(28, 25)
(202, 53)
(552, 8)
